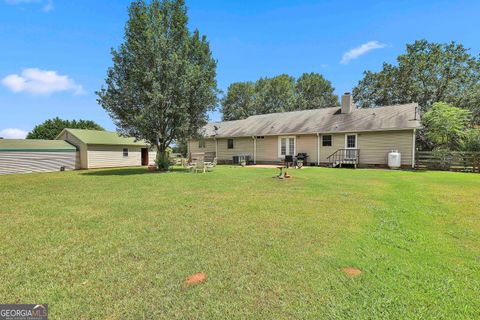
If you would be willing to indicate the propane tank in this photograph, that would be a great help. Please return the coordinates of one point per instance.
(394, 159)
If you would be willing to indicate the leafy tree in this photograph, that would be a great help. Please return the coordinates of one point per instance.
(446, 125)
(277, 94)
(426, 73)
(162, 82)
(314, 92)
(51, 128)
(471, 140)
(239, 102)
(471, 100)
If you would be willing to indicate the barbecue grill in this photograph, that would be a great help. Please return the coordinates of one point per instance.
(302, 156)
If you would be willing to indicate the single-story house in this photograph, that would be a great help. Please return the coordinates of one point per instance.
(330, 136)
(22, 156)
(104, 149)
(74, 149)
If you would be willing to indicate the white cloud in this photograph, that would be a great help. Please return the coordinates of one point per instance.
(13, 133)
(47, 5)
(361, 50)
(44, 82)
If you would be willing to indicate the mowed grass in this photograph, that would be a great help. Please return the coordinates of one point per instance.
(119, 243)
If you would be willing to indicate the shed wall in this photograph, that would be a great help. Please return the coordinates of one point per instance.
(110, 156)
(25, 162)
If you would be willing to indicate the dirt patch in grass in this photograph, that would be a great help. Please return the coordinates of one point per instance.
(352, 272)
(195, 279)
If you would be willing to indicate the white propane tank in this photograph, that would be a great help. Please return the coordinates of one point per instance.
(394, 159)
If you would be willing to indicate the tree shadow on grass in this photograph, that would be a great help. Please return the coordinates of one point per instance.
(129, 171)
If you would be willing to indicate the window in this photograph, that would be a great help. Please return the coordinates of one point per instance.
(201, 143)
(260, 137)
(286, 146)
(230, 143)
(351, 141)
(327, 141)
(125, 152)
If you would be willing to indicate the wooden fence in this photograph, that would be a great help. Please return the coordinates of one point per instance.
(448, 161)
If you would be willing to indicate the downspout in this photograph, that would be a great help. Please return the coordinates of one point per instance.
(318, 149)
(413, 149)
(216, 147)
(254, 150)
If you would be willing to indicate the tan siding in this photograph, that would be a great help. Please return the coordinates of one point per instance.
(209, 146)
(338, 142)
(241, 146)
(374, 146)
(267, 149)
(108, 156)
(82, 148)
(24, 162)
(308, 144)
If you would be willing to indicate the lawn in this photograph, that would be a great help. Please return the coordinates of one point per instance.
(119, 243)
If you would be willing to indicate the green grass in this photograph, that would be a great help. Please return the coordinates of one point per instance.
(119, 243)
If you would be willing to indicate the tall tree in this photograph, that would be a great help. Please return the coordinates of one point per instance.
(277, 94)
(51, 128)
(470, 100)
(239, 102)
(314, 92)
(162, 82)
(426, 73)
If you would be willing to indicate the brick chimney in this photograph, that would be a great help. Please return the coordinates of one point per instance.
(347, 103)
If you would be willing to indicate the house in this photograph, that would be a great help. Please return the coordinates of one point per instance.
(330, 136)
(21, 156)
(104, 149)
(73, 149)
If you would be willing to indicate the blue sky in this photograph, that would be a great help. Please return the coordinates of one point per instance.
(55, 53)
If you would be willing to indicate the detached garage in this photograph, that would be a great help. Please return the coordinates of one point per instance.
(104, 149)
(23, 156)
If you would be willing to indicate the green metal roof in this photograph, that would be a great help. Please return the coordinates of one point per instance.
(104, 137)
(32, 145)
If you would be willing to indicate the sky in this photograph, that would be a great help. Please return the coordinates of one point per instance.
(54, 53)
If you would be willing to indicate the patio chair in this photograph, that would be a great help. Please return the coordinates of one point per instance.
(199, 166)
(211, 165)
(187, 165)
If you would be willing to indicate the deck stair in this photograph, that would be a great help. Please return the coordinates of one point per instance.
(343, 157)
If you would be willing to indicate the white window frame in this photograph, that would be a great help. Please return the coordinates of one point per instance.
(356, 140)
(288, 147)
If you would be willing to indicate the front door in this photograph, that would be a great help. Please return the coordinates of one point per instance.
(144, 156)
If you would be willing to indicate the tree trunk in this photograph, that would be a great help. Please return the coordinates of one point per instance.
(163, 161)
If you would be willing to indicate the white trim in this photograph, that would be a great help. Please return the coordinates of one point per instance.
(356, 140)
(216, 147)
(254, 150)
(280, 145)
(318, 149)
(413, 148)
(310, 133)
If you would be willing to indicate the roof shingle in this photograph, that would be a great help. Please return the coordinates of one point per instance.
(327, 120)
(104, 137)
(32, 145)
